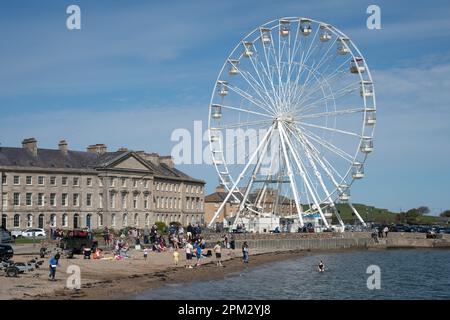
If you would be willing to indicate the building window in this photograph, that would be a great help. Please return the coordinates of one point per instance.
(76, 199)
(53, 181)
(100, 200)
(76, 182)
(146, 202)
(135, 201)
(124, 200)
(100, 182)
(29, 199)
(125, 220)
(4, 179)
(89, 182)
(100, 220)
(41, 180)
(157, 186)
(40, 199)
(135, 183)
(136, 220)
(113, 220)
(89, 200)
(171, 187)
(5, 199)
(16, 180)
(64, 181)
(53, 220)
(124, 182)
(53, 199)
(17, 221)
(30, 221)
(64, 199)
(113, 182)
(146, 183)
(112, 200)
(157, 202)
(65, 220)
(29, 180)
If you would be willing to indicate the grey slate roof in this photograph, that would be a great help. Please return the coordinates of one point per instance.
(56, 159)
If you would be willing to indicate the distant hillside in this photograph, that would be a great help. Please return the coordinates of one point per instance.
(377, 215)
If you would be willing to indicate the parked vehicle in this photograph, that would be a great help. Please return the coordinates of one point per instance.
(16, 233)
(5, 235)
(75, 242)
(6, 252)
(34, 232)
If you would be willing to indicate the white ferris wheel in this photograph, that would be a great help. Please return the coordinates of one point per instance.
(291, 120)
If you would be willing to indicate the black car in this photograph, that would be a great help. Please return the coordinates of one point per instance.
(6, 252)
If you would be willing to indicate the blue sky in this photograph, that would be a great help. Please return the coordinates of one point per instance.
(137, 70)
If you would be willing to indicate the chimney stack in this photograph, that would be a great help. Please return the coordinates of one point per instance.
(98, 148)
(31, 145)
(62, 146)
(167, 160)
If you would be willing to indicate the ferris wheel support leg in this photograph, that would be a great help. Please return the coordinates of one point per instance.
(255, 171)
(291, 179)
(357, 214)
(325, 189)
(284, 137)
(338, 216)
(241, 175)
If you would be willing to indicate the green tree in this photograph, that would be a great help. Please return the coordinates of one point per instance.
(445, 213)
(423, 210)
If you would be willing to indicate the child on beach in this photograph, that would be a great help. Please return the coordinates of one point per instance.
(145, 253)
(176, 254)
(217, 251)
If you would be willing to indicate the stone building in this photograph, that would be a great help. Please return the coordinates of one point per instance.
(95, 188)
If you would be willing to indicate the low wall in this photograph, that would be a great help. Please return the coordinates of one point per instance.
(305, 244)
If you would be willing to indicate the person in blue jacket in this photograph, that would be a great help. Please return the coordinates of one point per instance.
(198, 252)
(53, 263)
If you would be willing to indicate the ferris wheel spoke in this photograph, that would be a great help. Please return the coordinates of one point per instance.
(344, 155)
(324, 163)
(321, 159)
(314, 70)
(335, 95)
(270, 78)
(247, 111)
(243, 124)
(261, 92)
(250, 98)
(331, 113)
(254, 63)
(339, 71)
(328, 129)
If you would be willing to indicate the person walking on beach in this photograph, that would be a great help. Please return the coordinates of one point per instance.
(53, 263)
(188, 250)
(245, 252)
(198, 253)
(176, 254)
(217, 251)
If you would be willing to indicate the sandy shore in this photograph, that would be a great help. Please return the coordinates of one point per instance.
(110, 279)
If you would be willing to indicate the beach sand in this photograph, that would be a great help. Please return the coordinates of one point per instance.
(111, 279)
